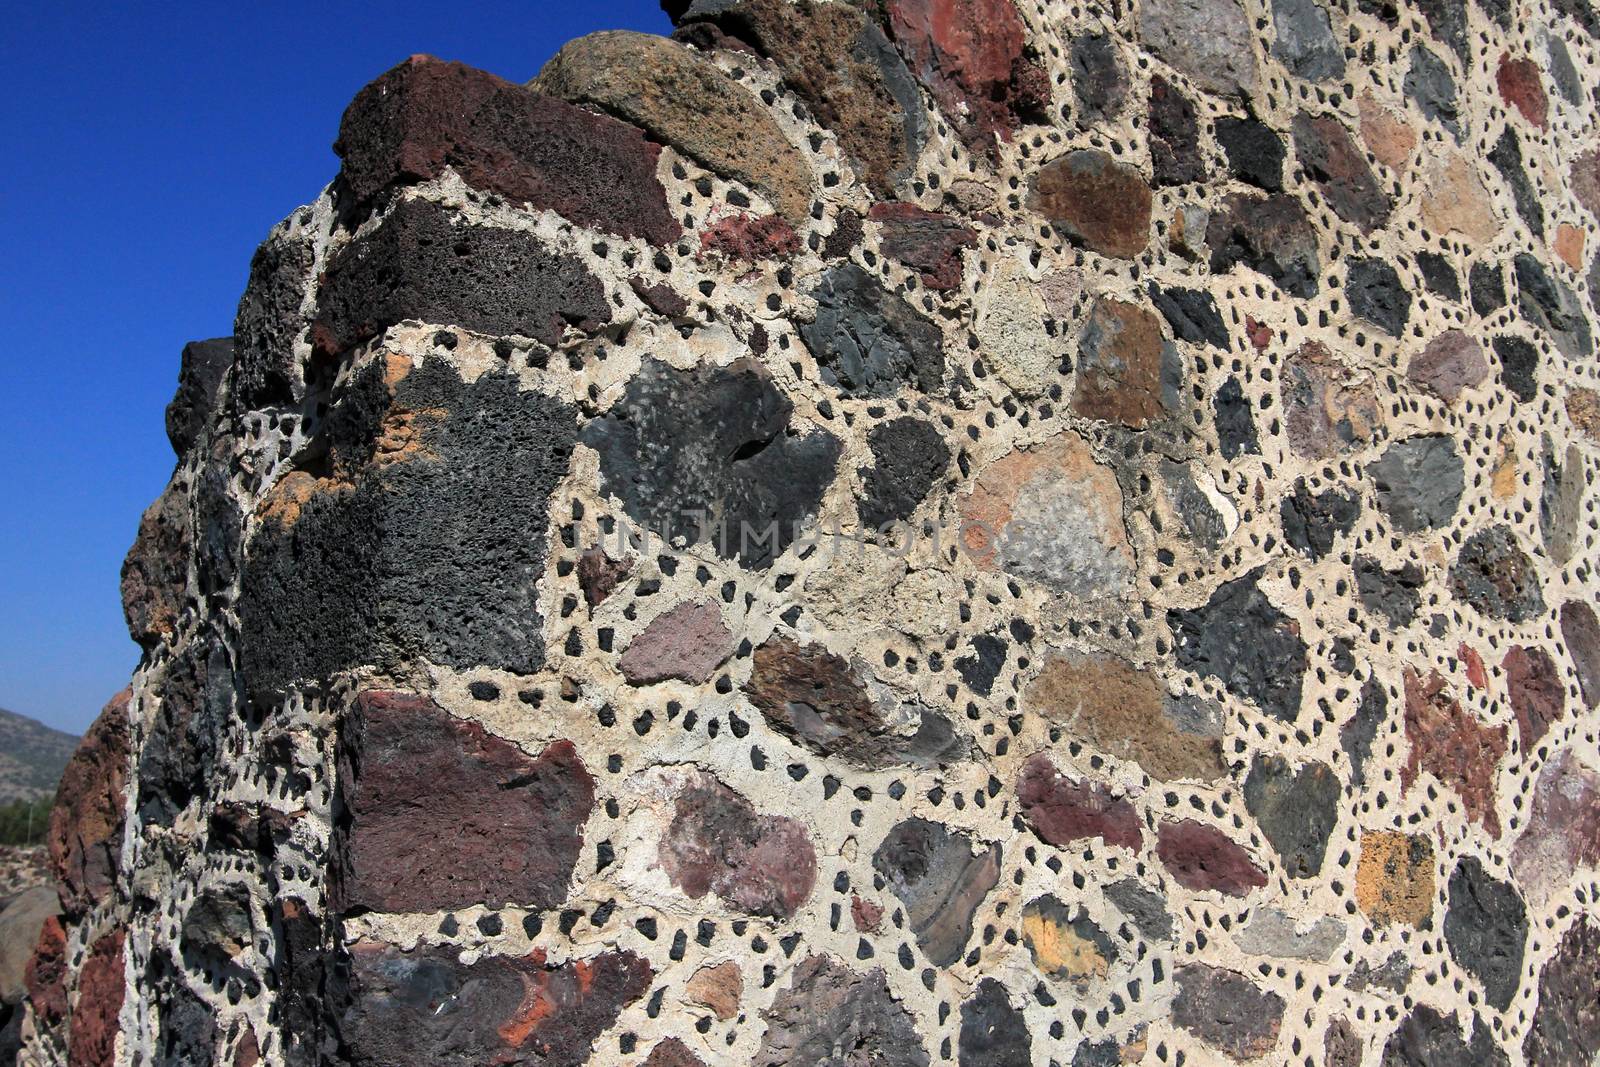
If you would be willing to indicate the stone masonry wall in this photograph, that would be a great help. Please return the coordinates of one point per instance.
(887, 532)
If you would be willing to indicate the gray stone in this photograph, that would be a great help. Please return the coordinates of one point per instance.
(1486, 284)
(1098, 77)
(1439, 275)
(993, 1033)
(1550, 304)
(1486, 927)
(1425, 1038)
(1419, 482)
(834, 1016)
(1211, 41)
(1561, 502)
(869, 342)
(1395, 594)
(1356, 736)
(1305, 42)
(1562, 71)
(1566, 1024)
(1268, 234)
(1145, 907)
(1241, 639)
(1236, 428)
(934, 873)
(1226, 1010)
(1506, 155)
(1494, 575)
(717, 442)
(1275, 933)
(1296, 809)
(1430, 84)
(1580, 631)
(1376, 294)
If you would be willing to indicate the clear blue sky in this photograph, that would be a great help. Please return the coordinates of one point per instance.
(150, 151)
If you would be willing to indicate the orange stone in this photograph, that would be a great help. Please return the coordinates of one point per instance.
(1394, 878)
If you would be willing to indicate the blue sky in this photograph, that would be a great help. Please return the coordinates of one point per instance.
(151, 149)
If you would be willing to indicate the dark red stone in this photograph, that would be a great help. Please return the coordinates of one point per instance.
(1520, 87)
(85, 836)
(1536, 692)
(718, 843)
(751, 238)
(442, 814)
(1175, 156)
(1332, 159)
(1452, 745)
(425, 1006)
(670, 1052)
(92, 1037)
(1202, 857)
(599, 575)
(969, 53)
(660, 297)
(929, 242)
(1581, 632)
(1062, 811)
(426, 114)
(46, 974)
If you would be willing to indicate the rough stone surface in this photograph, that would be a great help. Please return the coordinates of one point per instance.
(909, 459)
(1419, 482)
(1204, 859)
(1174, 135)
(1241, 639)
(1066, 946)
(1062, 811)
(1096, 201)
(1304, 41)
(1486, 927)
(1495, 576)
(940, 880)
(1566, 1025)
(1313, 522)
(1128, 371)
(686, 642)
(1329, 407)
(833, 1016)
(1206, 40)
(155, 574)
(868, 341)
(1226, 1010)
(1330, 156)
(1456, 200)
(1563, 828)
(1394, 880)
(993, 1032)
(1451, 363)
(1255, 152)
(1098, 76)
(1295, 808)
(1271, 932)
(1451, 744)
(1426, 1038)
(85, 836)
(1268, 234)
(717, 843)
(928, 242)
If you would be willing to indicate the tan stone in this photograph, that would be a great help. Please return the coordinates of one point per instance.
(1127, 713)
(1394, 878)
(1388, 136)
(1583, 408)
(1058, 944)
(1455, 199)
(1009, 322)
(1569, 245)
(1328, 407)
(718, 988)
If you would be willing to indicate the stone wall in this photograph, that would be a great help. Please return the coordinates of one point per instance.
(1162, 630)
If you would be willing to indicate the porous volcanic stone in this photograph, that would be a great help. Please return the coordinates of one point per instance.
(1331, 159)
(686, 642)
(1377, 294)
(1452, 745)
(1563, 828)
(1296, 808)
(1426, 1038)
(909, 458)
(682, 99)
(1394, 878)
(85, 835)
(1451, 363)
(1268, 234)
(1098, 76)
(1486, 927)
(1210, 41)
(1566, 1024)
(1418, 482)
(1393, 594)
(1202, 858)
(868, 341)
(1226, 1010)
(1305, 42)
(1098, 202)
(1581, 632)
(1494, 575)
(1175, 155)
(928, 242)
(507, 831)
(1062, 811)
(1536, 691)
(200, 372)
(1549, 303)
(426, 114)
(1313, 521)
(1255, 153)
(941, 882)
(993, 1032)
(833, 1016)
(270, 322)
(155, 573)
(1328, 407)
(1240, 638)
(1506, 156)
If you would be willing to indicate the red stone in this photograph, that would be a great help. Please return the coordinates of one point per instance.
(969, 53)
(92, 1040)
(599, 575)
(46, 974)
(85, 835)
(1521, 88)
(1536, 691)
(442, 814)
(1100, 203)
(671, 1052)
(1453, 746)
(426, 114)
(685, 642)
(155, 573)
(1202, 857)
(1259, 333)
(1062, 811)
(751, 238)
(928, 242)
(866, 915)
(1477, 677)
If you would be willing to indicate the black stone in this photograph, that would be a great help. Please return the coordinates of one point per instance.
(433, 553)
(1097, 76)
(1506, 155)
(1419, 482)
(1255, 153)
(1246, 643)
(1356, 736)
(1550, 304)
(1269, 234)
(940, 881)
(869, 342)
(1426, 1038)
(1494, 575)
(1439, 276)
(268, 323)
(717, 441)
(1396, 595)
(1192, 314)
(1377, 294)
(1145, 907)
(1487, 284)
(200, 698)
(421, 263)
(1486, 928)
(993, 1033)
(1236, 428)
(1311, 522)
(186, 1033)
(1430, 85)
(199, 376)
(1448, 21)
(980, 669)
(1519, 366)
(1297, 810)
(909, 457)
(1566, 1024)
(1175, 157)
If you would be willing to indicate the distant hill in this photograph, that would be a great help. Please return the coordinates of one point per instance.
(32, 756)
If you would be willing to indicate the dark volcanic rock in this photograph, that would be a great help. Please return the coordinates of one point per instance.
(1377, 294)
(200, 373)
(1226, 1010)
(85, 835)
(1395, 594)
(507, 831)
(219, 926)
(426, 538)
(187, 1033)
(1097, 76)
(1305, 42)
(993, 1033)
(183, 741)
(1494, 575)
(869, 342)
(425, 1006)
(1331, 158)
(1268, 234)
(1419, 482)
(1203, 858)
(422, 264)
(1566, 1025)
(909, 458)
(1236, 428)
(1439, 275)
(1192, 314)
(928, 242)
(1062, 811)
(1426, 1038)
(1297, 810)
(1246, 643)
(1550, 304)
(1581, 632)
(1486, 928)
(1145, 907)
(713, 441)
(833, 1016)
(982, 667)
(1175, 155)
(1097, 202)
(1447, 19)
(1486, 282)
(426, 114)
(1429, 83)
(1255, 152)
(934, 873)
(269, 322)
(1356, 736)
(814, 698)
(718, 843)
(1507, 159)
(155, 573)
(1312, 521)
